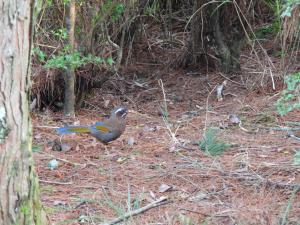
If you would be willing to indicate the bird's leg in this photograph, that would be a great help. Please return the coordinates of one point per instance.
(105, 149)
(94, 143)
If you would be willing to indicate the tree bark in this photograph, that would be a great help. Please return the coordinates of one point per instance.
(19, 192)
(214, 31)
(69, 104)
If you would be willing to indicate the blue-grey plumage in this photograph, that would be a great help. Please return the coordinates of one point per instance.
(106, 131)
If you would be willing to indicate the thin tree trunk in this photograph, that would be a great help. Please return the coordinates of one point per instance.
(19, 189)
(69, 104)
(208, 35)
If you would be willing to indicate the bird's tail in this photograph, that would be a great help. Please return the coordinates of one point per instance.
(73, 129)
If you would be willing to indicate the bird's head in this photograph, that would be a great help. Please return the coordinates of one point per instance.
(119, 112)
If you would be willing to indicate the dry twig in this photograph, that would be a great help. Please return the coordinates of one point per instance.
(159, 202)
(255, 178)
(55, 182)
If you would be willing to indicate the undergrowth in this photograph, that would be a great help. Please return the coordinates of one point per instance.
(290, 97)
(210, 143)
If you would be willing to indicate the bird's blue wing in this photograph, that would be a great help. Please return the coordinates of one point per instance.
(100, 126)
(73, 129)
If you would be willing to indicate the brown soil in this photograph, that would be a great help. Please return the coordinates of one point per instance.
(250, 183)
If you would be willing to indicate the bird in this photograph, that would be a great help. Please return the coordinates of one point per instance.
(106, 131)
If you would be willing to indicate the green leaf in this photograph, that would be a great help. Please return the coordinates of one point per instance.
(297, 158)
(290, 97)
(110, 61)
(98, 60)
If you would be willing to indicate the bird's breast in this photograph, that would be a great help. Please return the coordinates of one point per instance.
(116, 128)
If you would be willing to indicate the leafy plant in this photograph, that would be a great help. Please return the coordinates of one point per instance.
(60, 33)
(290, 97)
(117, 207)
(83, 219)
(39, 53)
(210, 143)
(117, 11)
(285, 216)
(75, 60)
(297, 158)
(185, 220)
(276, 6)
(273, 28)
(288, 7)
(153, 8)
(114, 9)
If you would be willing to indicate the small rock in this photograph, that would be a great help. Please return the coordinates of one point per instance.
(65, 147)
(53, 164)
(37, 136)
(121, 159)
(149, 129)
(131, 141)
(164, 188)
(61, 146)
(106, 103)
(234, 119)
(152, 195)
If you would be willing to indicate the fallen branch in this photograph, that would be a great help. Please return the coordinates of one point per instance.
(159, 202)
(55, 182)
(49, 156)
(254, 178)
(69, 162)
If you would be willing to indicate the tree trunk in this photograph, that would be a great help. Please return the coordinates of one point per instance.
(215, 31)
(69, 104)
(198, 44)
(19, 192)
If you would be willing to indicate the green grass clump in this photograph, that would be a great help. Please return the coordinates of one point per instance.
(210, 143)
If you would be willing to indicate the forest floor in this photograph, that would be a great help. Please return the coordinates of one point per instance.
(252, 182)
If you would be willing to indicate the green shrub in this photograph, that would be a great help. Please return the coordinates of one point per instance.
(290, 97)
(210, 143)
(75, 60)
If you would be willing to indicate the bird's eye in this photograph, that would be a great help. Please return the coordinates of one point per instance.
(121, 112)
